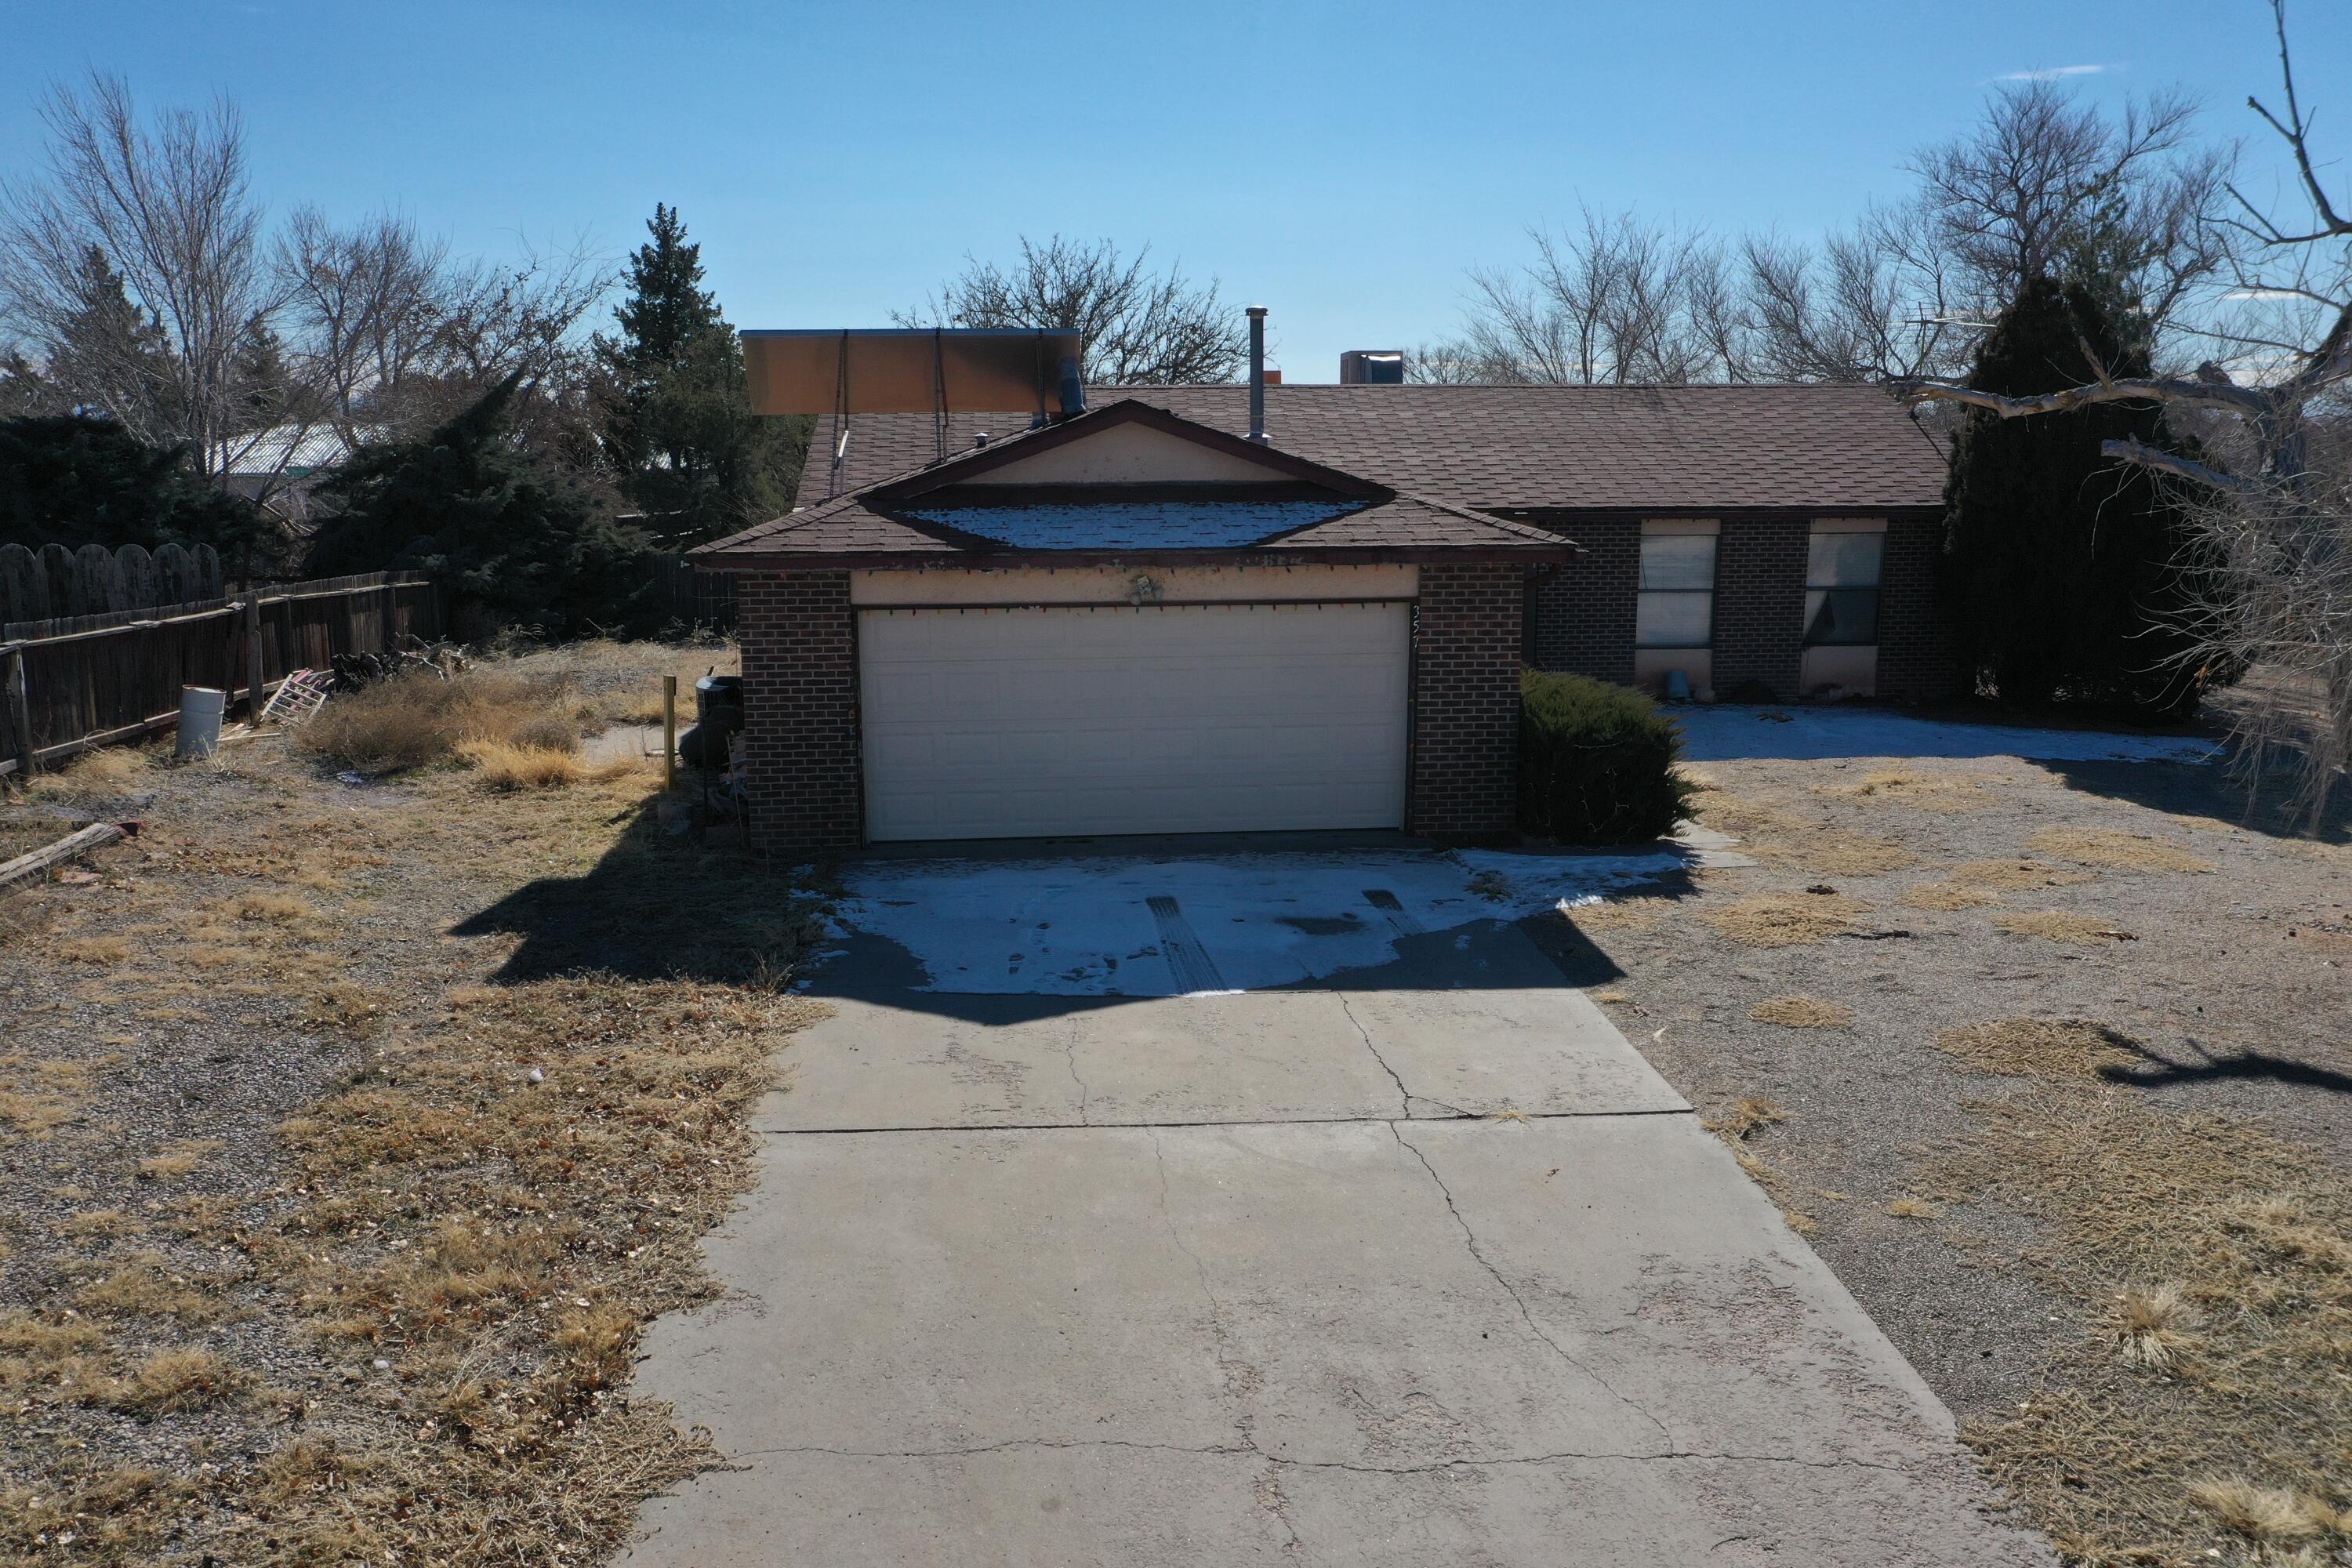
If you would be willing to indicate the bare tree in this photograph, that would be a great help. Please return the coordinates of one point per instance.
(167, 210)
(2045, 187)
(1616, 299)
(2275, 507)
(1138, 327)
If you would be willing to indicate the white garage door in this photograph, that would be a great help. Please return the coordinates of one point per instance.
(1171, 719)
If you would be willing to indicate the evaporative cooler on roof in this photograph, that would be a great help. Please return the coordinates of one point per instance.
(912, 370)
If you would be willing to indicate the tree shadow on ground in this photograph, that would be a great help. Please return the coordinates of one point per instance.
(2209, 791)
(659, 906)
(2162, 1071)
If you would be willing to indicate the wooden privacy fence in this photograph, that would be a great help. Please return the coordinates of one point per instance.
(53, 582)
(694, 597)
(79, 681)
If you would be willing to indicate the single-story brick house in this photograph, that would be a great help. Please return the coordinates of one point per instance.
(1134, 620)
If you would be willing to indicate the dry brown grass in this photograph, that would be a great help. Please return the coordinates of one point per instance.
(101, 774)
(2052, 1048)
(1913, 1208)
(1802, 1013)
(419, 719)
(1779, 920)
(504, 767)
(94, 950)
(2061, 925)
(1920, 791)
(347, 1007)
(146, 1285)
(1630, 915)
(2128, 1455)
(2270, 1515)
(1977, 882)
(177, 1161)
(38, 1096)
(180, 1378)
(2126, 851)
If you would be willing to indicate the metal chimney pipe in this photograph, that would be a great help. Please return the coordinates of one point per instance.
(1256, 314)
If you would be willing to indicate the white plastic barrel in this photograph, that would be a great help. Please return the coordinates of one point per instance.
(200, 721)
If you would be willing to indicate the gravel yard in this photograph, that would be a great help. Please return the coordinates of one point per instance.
(332, 1195)
(2050, 1062)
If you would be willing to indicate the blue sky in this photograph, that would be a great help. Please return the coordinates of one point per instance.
(1340, 163)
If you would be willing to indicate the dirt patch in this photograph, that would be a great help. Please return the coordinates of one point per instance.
(2105, 847)
(2200, 1402)
(1802, 1012)
(1784, 921)
(328, 1232)
(2039, 1219)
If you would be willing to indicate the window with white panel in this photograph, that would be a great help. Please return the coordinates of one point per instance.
(1676, 606)
(1844, 564)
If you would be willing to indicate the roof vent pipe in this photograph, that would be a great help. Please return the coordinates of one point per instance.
(1256, 314)
(1074, 388)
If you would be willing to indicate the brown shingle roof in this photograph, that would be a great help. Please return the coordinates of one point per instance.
(934, 518)
(1696, 449)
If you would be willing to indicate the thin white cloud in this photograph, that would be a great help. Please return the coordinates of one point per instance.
(2055, 73)
(2263, 294)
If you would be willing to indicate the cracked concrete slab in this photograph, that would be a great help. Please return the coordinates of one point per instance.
(1415, 1336)
(1050, 1280)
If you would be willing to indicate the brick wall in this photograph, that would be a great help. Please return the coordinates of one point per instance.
(1916, 662)
(1583, 612)
(1465, 700)
(800, 710)
(1759, 604)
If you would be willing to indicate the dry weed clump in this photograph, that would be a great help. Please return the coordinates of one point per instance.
(1801, 1011)
(2053, 1048)
(2154, 1326)
(1938, 792)
(94, 950)
(1744, 1118)
(2240, 1415)
(2061, 925)
(1779, 920)
(2126, 851)
(1913, 1208)
(420, 718)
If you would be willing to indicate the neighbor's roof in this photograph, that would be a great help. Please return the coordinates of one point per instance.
(1695, 450)
(934, 517)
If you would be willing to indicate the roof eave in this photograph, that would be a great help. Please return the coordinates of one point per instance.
(745, 561)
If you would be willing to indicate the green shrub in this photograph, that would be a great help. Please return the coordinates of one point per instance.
(1596, 763)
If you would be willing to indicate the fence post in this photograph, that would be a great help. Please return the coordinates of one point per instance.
(20, 714)
(253, 653)
(669, 732)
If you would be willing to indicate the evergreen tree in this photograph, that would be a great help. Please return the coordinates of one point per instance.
(2061, 566)
(110, 358)
(510, 539)
(76, 479)
(678, 423)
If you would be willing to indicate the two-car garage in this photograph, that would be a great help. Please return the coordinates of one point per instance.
(985, 721)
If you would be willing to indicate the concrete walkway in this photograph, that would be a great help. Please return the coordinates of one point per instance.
(1264, 1277)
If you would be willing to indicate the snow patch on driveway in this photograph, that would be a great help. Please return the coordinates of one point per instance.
(1721, 734)
(1132, 926)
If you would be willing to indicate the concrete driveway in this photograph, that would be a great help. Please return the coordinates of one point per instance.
(1417, 1262)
